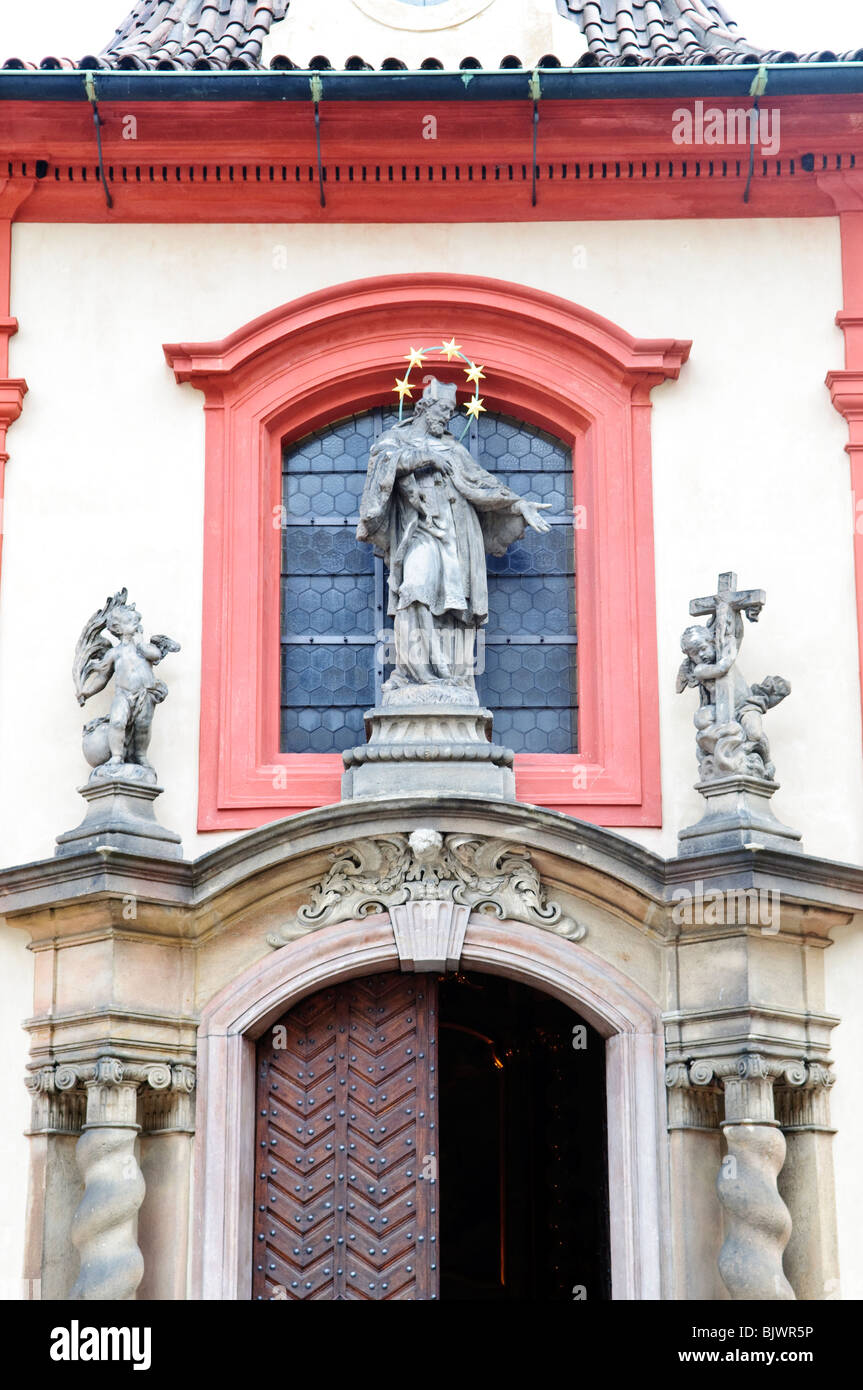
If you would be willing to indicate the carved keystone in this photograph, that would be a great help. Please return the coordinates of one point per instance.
(429, 935)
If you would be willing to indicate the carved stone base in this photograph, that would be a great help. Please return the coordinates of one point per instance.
(441, 693)
(428, 748)
(120, 815)
(738, 816)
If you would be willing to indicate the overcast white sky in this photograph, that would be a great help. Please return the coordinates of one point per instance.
(61, 28)
(801, 25)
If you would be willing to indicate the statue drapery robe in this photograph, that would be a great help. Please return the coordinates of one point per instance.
(434, 529)
(416, 516)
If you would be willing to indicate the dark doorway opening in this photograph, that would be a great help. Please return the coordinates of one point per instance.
(523, 1193)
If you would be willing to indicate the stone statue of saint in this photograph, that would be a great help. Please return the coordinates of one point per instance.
(434, 513)
(113, 644)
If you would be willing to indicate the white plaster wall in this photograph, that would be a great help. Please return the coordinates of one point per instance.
(843, 974)
(16, 1003)
(105, 483)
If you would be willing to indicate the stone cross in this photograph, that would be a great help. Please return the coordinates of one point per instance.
(724, 604)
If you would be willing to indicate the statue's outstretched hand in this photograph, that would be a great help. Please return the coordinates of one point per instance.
(531, 513)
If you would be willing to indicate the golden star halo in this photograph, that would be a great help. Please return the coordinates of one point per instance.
(417, 357)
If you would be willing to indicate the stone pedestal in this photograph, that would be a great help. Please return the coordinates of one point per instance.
(428, 748)
(120, 815)
(738, 816)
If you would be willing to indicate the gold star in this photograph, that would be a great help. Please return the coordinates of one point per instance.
(475, 407)
(403, 387)
(474, 374)
(415, 359)
(451, 349)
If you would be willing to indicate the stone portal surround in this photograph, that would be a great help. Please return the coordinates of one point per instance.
(101, 1100)
(621, 1012)
(478, 887)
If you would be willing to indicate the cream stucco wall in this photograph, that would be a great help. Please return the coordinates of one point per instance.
(105, 487)
(105, 483)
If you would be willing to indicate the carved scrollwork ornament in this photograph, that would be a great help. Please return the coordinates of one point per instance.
(753, 1066)
(486, 875)
(690, 1106)
(159, 1077)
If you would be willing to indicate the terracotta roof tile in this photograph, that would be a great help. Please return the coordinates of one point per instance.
(230, 34)
(193, 34)
(659, 31)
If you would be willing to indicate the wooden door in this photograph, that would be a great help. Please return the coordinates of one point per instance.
(346, 1145)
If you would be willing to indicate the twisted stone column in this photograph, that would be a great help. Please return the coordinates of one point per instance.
(104, 1228)
(757, 1221)
(105, 1225)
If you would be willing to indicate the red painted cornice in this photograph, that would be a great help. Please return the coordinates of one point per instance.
(369, 304)
(241, 162)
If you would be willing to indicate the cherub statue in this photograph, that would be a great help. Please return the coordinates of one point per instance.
(730, 736)
(115, 745)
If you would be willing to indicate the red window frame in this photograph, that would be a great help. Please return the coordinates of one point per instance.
(335, 353)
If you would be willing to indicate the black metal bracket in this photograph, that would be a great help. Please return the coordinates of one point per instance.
(535, 89)
(756, 90)
(317, 88)
(90, 91)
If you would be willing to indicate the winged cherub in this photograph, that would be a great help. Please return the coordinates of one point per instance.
(740, 745)
(113, 644)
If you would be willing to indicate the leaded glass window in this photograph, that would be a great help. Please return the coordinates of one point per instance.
(333, 604)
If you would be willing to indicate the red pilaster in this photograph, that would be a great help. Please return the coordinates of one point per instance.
(846, 386)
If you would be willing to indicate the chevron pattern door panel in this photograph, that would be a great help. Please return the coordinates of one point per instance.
(346, 1145)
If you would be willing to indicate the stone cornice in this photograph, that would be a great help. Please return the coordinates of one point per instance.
(780, 1035)
(290, 856)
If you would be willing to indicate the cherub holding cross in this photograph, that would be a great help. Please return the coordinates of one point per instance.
(730, 736)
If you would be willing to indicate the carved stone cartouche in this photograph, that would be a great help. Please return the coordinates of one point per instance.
(382, 872)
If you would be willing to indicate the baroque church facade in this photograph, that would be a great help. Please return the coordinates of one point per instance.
(448, 916)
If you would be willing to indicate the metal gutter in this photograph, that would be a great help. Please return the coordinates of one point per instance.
(511, 84)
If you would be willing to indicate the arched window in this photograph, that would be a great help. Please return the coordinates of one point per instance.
(335, 638)
(333, 355)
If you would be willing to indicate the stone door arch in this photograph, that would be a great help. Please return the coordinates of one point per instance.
(621, 1012)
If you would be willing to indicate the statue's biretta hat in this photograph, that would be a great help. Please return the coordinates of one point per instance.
(443, 391)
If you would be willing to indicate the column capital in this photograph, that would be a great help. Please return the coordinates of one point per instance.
(69, 1096)
(806, 1105)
